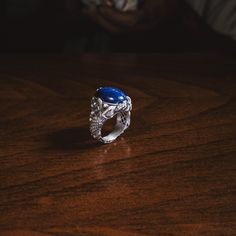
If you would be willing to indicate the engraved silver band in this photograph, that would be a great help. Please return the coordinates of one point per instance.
(102, 111)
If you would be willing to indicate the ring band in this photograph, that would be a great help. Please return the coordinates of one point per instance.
(107, 103)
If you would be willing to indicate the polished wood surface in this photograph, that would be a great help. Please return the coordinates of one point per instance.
(172, 173)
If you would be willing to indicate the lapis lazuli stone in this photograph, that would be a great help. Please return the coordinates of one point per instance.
(111, 95)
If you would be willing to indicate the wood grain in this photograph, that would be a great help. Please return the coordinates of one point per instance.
(172, 173)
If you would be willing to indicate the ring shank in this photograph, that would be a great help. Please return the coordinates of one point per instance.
(122, 123)
(102, 111)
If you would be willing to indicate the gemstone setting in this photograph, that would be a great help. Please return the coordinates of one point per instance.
(111, 95)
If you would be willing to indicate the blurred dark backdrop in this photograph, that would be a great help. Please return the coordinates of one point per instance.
(48, 26)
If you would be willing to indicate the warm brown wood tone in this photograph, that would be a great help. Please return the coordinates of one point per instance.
(172, 173)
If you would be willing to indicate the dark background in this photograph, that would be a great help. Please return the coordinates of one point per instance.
(50, 27)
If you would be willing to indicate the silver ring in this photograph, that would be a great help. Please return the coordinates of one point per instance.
(107, 103)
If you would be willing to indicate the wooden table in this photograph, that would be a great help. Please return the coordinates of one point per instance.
(172, 173)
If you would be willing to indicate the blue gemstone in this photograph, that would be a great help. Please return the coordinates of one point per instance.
(111, 95)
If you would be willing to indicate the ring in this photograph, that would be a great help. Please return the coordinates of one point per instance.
(107, 103)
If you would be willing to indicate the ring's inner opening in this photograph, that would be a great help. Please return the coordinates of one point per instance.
(114, 130)
(108, 127)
